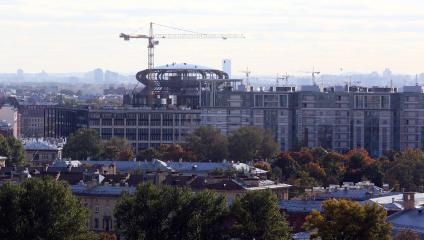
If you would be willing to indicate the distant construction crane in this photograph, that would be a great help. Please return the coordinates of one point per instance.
(247, 73)
(152, 39)
(284, 79)
(313, 73)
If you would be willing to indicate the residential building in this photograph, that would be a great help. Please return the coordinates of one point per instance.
(177, 98)
(41, 152)
(100, 200)
(411, 218)
(32, 120)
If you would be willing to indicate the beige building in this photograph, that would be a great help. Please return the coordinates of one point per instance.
(39, 153)
(9, 114)
(100, 201)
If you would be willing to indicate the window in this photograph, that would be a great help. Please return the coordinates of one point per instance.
(155, 119)
(143, 134)
(97, 209)
(96, 223)
(143, 119)
(131, 133)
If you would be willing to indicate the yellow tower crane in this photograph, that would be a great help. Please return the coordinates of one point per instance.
(153, 38)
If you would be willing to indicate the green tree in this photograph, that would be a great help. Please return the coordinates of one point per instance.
(201, 217)
(163, 212)
(83, 144)
(13, 150)
(405, 170)
(289, 167)
(347, 220)
(249, 143)
(117, 149)
(41, 208)
(207, 143)
(257, 216)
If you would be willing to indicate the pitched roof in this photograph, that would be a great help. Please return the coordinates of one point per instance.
(101, 190)
(304, 206)
(408, 219)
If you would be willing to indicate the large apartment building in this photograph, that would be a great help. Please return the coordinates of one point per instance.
(178, 98)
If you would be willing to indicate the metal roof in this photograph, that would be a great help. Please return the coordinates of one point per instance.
(408, 219)
(182, 66)
(124, 166)
(101, 190)
(305, 206)
(34, 145)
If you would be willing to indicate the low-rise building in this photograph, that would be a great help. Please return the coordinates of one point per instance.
(411, 217)
(229, 186)
(100, 201)
(297, 210)
(186, 168)
(360, 191)
(40, 152)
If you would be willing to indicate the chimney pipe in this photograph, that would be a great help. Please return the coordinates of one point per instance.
(408, 200)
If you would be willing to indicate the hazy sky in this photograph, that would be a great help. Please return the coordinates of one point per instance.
(281, 35)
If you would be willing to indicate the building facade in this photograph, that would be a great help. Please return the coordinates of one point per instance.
(182, 97)
(32, 120)
(144, 128)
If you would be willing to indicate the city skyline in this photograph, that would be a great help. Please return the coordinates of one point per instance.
(281, 36)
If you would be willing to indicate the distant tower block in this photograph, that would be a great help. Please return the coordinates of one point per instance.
(20, 74)
(226, 66)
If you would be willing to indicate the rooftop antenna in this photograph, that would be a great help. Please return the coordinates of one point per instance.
(416, 79)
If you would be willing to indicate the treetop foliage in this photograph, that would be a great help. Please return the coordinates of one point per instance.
(86, 144)
(163, 212)
(41, 208)
(347, 220)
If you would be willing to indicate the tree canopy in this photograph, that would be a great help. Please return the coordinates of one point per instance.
(13, 150)
(117, 149)
(311, 167)
(163, 212)
(41, 208)
(250, 143)
(83, 144)
(207, 143)
(257, 216)
(86, 144)
(347, 220)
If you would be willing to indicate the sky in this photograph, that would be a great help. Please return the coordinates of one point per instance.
(282, 36)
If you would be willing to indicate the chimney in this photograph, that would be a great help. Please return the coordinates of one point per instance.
(408, 200)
